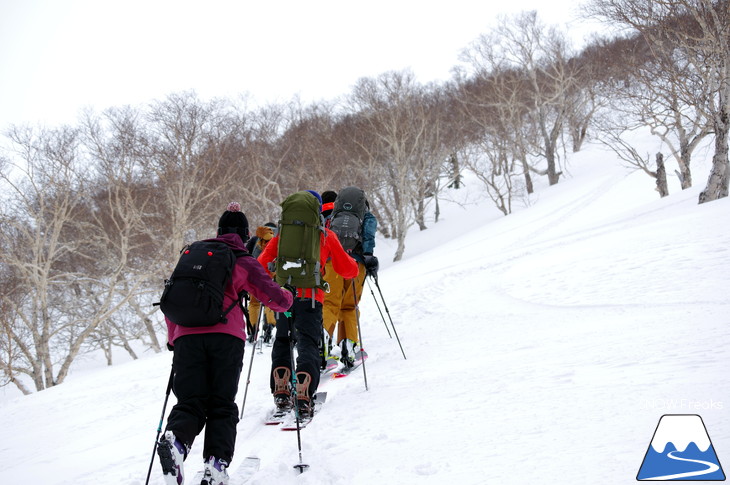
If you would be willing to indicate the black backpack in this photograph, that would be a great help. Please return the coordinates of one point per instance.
(193, 295)
(348, 216)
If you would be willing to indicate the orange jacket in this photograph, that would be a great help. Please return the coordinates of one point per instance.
(329, 248)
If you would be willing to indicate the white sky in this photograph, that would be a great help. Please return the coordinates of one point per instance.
(58, 56)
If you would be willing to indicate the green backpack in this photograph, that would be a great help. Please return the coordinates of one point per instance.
(298, 260)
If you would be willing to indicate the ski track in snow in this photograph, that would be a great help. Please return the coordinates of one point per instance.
(541, 348)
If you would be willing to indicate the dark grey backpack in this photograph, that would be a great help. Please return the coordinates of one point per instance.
(348, 216)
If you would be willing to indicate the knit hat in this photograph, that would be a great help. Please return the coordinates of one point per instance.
(328, 202)
(273, 226)
(328, 196)
(234, 221)
(319, 198)
(316, 194)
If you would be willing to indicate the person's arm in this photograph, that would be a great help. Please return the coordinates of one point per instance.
(369, 228)
(170, 333)
(256, 280)
(251, 244)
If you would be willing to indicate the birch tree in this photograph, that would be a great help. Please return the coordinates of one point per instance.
(398, 142)
(523, 45)
(698, 33)
(188, 168)
(122, 205)
(50, 248)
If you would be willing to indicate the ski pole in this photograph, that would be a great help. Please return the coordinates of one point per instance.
(250, 365)
(246, 317)
(379, 310)
(389, 318)
(159, 427)
(359, 331)
(301, 466)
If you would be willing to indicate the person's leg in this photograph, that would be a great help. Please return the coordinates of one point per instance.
(225, 361)
(253, 315)
(332, 300)
(187, 417)
(348, 317)
(308, 327)
(281, 356)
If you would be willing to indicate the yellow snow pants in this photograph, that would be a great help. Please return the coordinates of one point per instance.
(339, 304)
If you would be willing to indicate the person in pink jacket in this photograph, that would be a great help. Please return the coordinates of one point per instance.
(207, 363)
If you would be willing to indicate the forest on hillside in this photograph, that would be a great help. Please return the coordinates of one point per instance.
(93, 216)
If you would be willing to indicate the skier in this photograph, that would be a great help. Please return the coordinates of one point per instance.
(207, 363)
(306, 326)
(328, 204)
(339, 304)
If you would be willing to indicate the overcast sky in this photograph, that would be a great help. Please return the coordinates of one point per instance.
(58, 56)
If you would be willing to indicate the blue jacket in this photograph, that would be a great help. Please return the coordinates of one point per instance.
(369, 228)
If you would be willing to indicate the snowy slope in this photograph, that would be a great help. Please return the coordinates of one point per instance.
(541, 348)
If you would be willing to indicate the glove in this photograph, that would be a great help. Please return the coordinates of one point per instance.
(371, 265)
(290, 288)
(170, 347)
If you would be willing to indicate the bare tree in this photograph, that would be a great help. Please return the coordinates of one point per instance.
(522, 46)
(697, 32)
(259, 179)
(122, 203)
(430, 109)
(502, 135)
(312, 152)
(50, 248)
(583, 100)
(12, 299)
(401, 147)
(612, 130)
(663, 92)
(182, 158)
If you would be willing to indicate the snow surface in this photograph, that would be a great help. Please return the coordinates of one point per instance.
(542, 347)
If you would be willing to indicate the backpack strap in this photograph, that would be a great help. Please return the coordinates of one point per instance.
(238, 253)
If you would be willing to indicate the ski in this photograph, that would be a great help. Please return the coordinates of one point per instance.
(291, 425)
(242, 475)
(360, 356)
(277, 416)
(330, 364)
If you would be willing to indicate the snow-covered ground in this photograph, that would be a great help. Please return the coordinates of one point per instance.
(541, 348)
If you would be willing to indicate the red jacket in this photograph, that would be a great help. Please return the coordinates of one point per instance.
(248, 276)
(329, 248)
